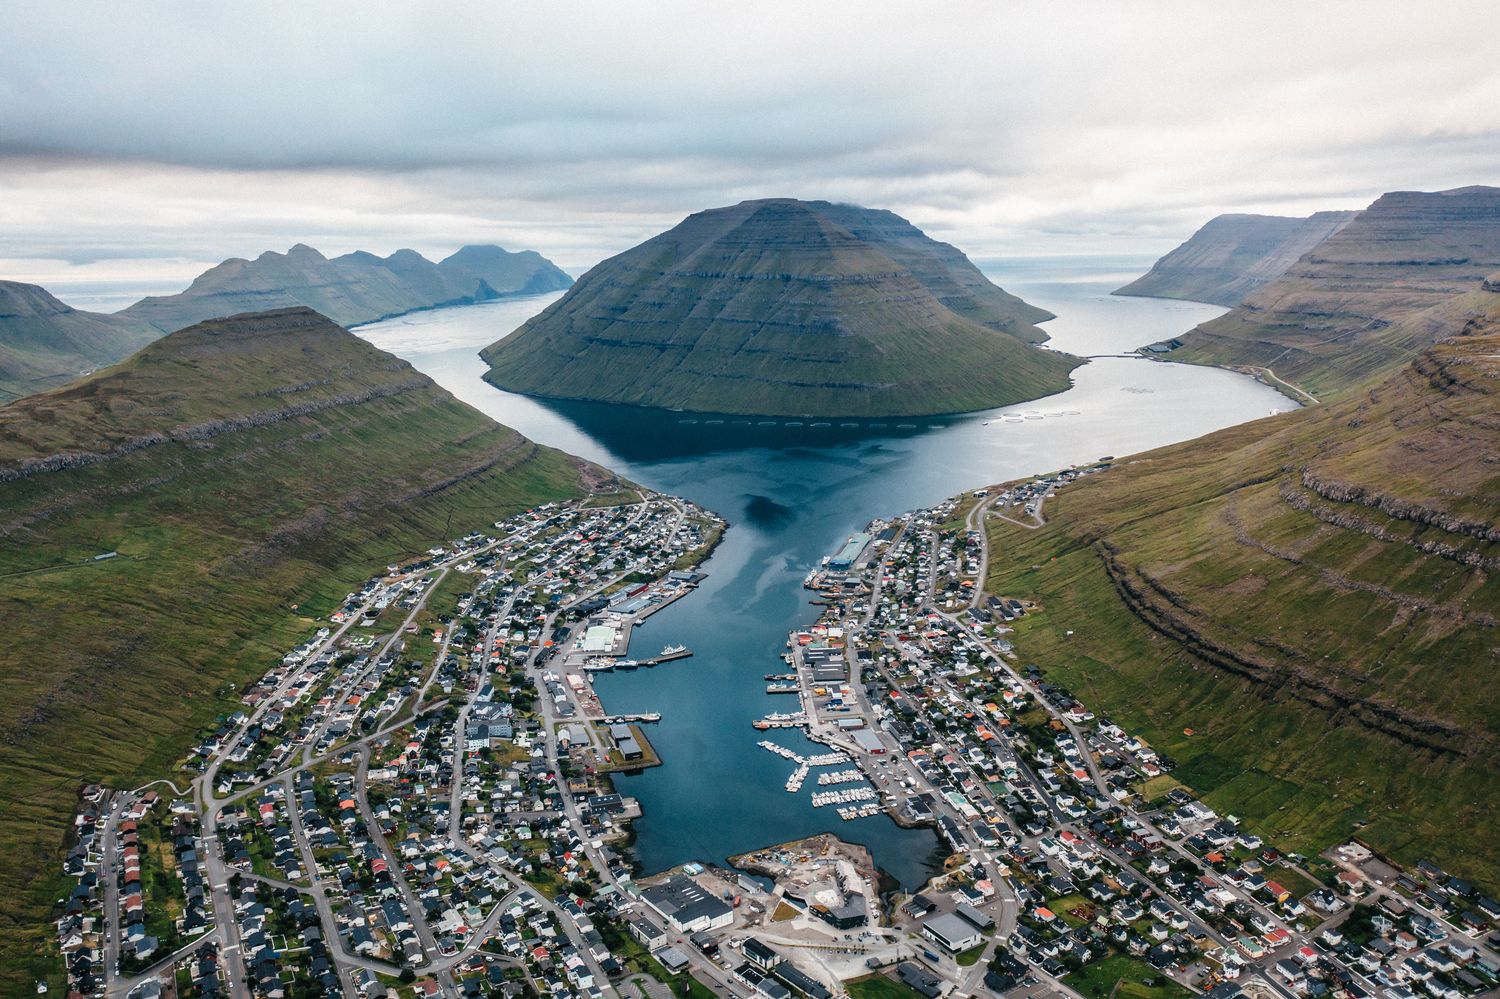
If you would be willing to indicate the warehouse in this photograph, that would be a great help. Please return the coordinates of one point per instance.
(686, 907)
(951, 933)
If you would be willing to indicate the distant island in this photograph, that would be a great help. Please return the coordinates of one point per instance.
(1359, 304)
(786, 308)
(44, 343)
(1232, 255)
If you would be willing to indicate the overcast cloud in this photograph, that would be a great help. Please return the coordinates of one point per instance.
(141, 142)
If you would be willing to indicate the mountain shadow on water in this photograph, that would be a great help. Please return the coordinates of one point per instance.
(640, 434)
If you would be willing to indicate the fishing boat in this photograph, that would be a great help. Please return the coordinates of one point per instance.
(673, 650)
(781, 688)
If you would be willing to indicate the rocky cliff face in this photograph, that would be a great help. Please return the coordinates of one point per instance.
(1348, 311)
(782, 307)
(352, 289)
(1233, 255)
(44, 343)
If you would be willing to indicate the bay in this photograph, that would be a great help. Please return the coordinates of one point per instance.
(792, 492)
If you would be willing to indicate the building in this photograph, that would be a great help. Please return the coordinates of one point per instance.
(921, 979)
(951, 933)
(761, 955)
(850, 553)
(599, 638)
(626, 742)
(974, 917)
(868, 741)
(686, 907)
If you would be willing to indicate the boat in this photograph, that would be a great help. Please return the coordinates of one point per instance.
(779, 676)
(781, 688)
(673, 650)
(626, 664)
(599, 666)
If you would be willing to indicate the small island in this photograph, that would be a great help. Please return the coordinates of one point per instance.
(786, 308)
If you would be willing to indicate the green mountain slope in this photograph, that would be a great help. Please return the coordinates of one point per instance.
(352, 289)
(783, 307)
(250, 472)
(1232, 255)
(1316, 596)
(44, 343)
(1334, 319)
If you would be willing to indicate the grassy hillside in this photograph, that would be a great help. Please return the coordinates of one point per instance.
(44, 343)
(785, 308)
(1340, 316)
(249, 472)
(1314, 595)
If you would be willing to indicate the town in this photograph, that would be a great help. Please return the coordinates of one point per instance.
(416, 801)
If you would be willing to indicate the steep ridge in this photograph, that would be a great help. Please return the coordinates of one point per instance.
(1334, 320)
(249, 472)
(352, 289)
(1232, 255)
(44, 343)
(1314, 597)
(789, 308)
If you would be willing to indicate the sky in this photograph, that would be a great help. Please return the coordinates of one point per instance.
(141, 143)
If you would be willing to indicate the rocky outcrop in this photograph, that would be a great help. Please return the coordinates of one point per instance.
(785, 308)
(1233, 255)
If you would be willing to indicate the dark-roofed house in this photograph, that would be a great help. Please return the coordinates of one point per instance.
(921, 979)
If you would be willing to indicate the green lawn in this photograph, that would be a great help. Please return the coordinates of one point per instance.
(880, 987)
(1096, 980)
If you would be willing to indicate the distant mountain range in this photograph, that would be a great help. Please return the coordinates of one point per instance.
(1232, 255)
(786, 308)
(44, 343)
(249, 472)
(1302, 611)
(1355, 306)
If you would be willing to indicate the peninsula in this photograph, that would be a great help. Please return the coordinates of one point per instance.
(786, 308)
(1232, 255)
(1354, 308)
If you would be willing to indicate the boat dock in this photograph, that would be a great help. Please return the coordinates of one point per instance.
(636, 719)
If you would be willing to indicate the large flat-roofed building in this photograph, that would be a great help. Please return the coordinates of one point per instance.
(850, 553)
(599, 638)
(686, 906)
(868, 741)
(951, 933)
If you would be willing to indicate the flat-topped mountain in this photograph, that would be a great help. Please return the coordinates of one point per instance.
(248, 473)
(44, 343)
(1232, 255)
(1302, 611)
(785, 308)
(1344, 313)
(354, 288)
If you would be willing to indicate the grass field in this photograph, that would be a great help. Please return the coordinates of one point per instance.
(880, 987)
(1098, 980)
(234, 541)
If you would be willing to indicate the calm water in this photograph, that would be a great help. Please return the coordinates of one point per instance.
(792, 495)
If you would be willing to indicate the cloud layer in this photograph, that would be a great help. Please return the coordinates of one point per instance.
(180, 134)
